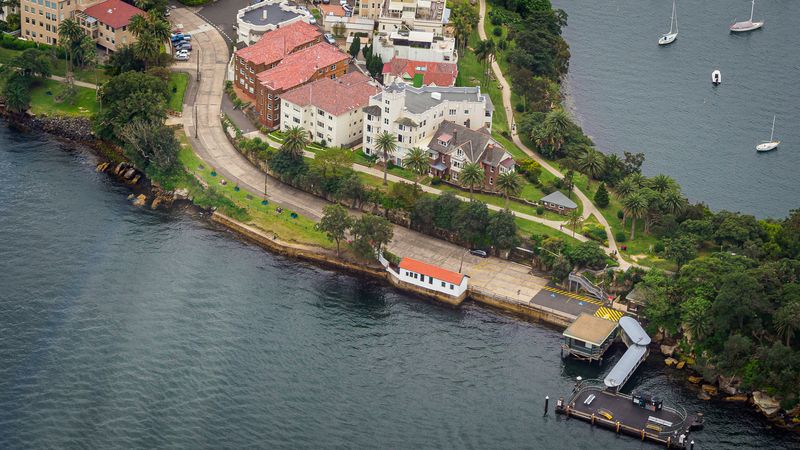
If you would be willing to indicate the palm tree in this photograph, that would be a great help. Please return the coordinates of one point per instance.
(417, 161)
(625, 188)
(574, 220)
(17, 95)
(386, 144)
(69, 35)
(591, 163)
(295, 140)
(674, 201)
(509, 183)
(150, 31)
(787, 321)
(471, 176)
(635, 206)
(660, 183)
(555, 127)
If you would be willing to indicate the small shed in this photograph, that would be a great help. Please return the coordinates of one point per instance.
(589, 337)
(558, 202)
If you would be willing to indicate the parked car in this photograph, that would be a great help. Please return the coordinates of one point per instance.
(184, 46)
(312, 21)
(330, 39)
(478, 252)
(326, 2)
(182, 55)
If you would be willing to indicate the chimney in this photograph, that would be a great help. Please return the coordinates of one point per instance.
(455, 136)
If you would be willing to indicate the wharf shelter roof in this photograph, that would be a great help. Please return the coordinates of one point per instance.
(432, 271)
(634, 331)
(591, 329)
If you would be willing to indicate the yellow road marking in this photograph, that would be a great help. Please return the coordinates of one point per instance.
(609, 314)
(574, 295)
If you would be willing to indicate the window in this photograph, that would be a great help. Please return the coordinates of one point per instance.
(386, 121)
(386, 110)
(333, 67)
(369, 139)
(491, 181)
(430, 280)
(321, 112)
(399, 138)
(442, 283)
(466, 111)
(369, 116)
(451, 287)
(400, 127)
(387, 102)
(269, 116)
(452, 112)
(369, 128)
(296, 120)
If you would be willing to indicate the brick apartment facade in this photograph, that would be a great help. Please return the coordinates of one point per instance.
(268, 52)
(318, 61)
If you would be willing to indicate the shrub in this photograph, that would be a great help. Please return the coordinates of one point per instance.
(503, 44)
(323, 143)
(435, 181)
(519, 107)
(620, 214)
(539, 210)
(390, 165)
(547, 189)
(659, 247)
(495, 19)
(497, 31)
(620, 236)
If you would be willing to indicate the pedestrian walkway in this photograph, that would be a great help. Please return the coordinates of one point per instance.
(609, 314)
(574, 295)
(76, 82)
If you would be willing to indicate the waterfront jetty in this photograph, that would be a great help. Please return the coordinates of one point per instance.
(588, 337)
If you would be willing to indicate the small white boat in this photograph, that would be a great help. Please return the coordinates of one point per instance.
(669, 38)
(771, 144)
(747, 25)
(716, 77)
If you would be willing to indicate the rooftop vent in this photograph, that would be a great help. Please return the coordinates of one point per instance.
(436, 95)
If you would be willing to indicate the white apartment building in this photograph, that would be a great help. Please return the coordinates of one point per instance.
(421, 15)
(414, 45)
(255, 20)
(413, 115)
(331, 110)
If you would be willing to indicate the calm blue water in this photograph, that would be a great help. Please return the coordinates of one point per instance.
(127, 328)
(630, 94)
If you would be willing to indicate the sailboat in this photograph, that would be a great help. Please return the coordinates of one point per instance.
(771, 144)
(747, 25)
(670, 37)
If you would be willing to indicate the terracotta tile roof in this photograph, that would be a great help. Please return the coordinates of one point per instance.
(276, 44)
(336, 97)
(114, 13)
(439, 74)
(432, 271)
(331, 10)
(299, 67)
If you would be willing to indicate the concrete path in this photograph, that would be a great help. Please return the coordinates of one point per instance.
(589, 208)
(76, 82)
(502, 277)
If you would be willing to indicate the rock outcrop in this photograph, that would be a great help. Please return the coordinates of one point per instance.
(769, 406)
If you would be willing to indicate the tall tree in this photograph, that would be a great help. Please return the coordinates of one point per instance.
(418, 161)
(151, 31)
(574, 220)
(386, 144)
(510, 184)
(787, 321)
(335, 222)
(17, 94)
(69, 37)
(295, 140)
(601, 196)
(355, 47)
(591, 163)
(471, 175)
(635, 207)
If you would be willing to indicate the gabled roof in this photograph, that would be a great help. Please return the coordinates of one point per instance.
(114, 13)
(557, 198)
(473, 143)
(592, 329)
(433, 73)
(299, 67)
(432, 271)
(335, 97)
(275, 45)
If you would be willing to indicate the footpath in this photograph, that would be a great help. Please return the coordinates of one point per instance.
(500, 280)
(589, 208)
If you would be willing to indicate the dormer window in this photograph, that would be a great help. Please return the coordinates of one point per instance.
(444, 140)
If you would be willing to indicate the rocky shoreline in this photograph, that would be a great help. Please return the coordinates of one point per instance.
(144, 194)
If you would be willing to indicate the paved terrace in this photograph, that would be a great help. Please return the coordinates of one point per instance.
(501, 277)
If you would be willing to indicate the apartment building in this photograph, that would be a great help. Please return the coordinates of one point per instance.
(413, 114)
(269, 51)
(415, 45)
(253, 21)
(454, 145)
(419, 73)
(318, 61)
(330, 109)
(105, 22)
(369, 9)
(420, 15)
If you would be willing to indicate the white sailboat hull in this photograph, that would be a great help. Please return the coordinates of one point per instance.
(716, 77)
(767, 146)
(741, 27)
(667, 39)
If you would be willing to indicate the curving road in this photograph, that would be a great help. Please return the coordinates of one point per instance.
(589, 208)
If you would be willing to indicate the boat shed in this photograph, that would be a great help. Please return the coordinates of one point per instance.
(589, 337)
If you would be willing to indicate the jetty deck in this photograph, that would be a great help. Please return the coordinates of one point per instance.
(618, 413)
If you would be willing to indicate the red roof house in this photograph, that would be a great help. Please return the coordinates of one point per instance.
(114, 13)
(419, 73)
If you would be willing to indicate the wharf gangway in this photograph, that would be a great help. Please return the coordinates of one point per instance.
(637, 340)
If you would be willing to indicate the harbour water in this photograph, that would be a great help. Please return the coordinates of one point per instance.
(630, 94)
(123, 327)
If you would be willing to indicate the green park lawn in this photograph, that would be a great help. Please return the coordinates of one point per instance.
(177, 89)
(46, 100)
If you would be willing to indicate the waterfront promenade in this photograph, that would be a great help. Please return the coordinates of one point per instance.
(497, 277)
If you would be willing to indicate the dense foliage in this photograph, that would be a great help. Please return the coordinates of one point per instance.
(737, 309)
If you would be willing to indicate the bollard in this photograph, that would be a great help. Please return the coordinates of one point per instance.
(618, 427)
(691, 445)
(546, 403)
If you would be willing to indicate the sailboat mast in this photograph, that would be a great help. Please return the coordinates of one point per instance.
(772, 133)
(752, 8)
(675, 13)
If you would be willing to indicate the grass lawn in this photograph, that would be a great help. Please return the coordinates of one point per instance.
(300, 230)
(471, 73)
(88, 75)
(177, 88)
(45, 100)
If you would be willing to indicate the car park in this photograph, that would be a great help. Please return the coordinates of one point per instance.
(478, 252)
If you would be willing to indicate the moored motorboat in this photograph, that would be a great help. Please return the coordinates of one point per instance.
(716, 77)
